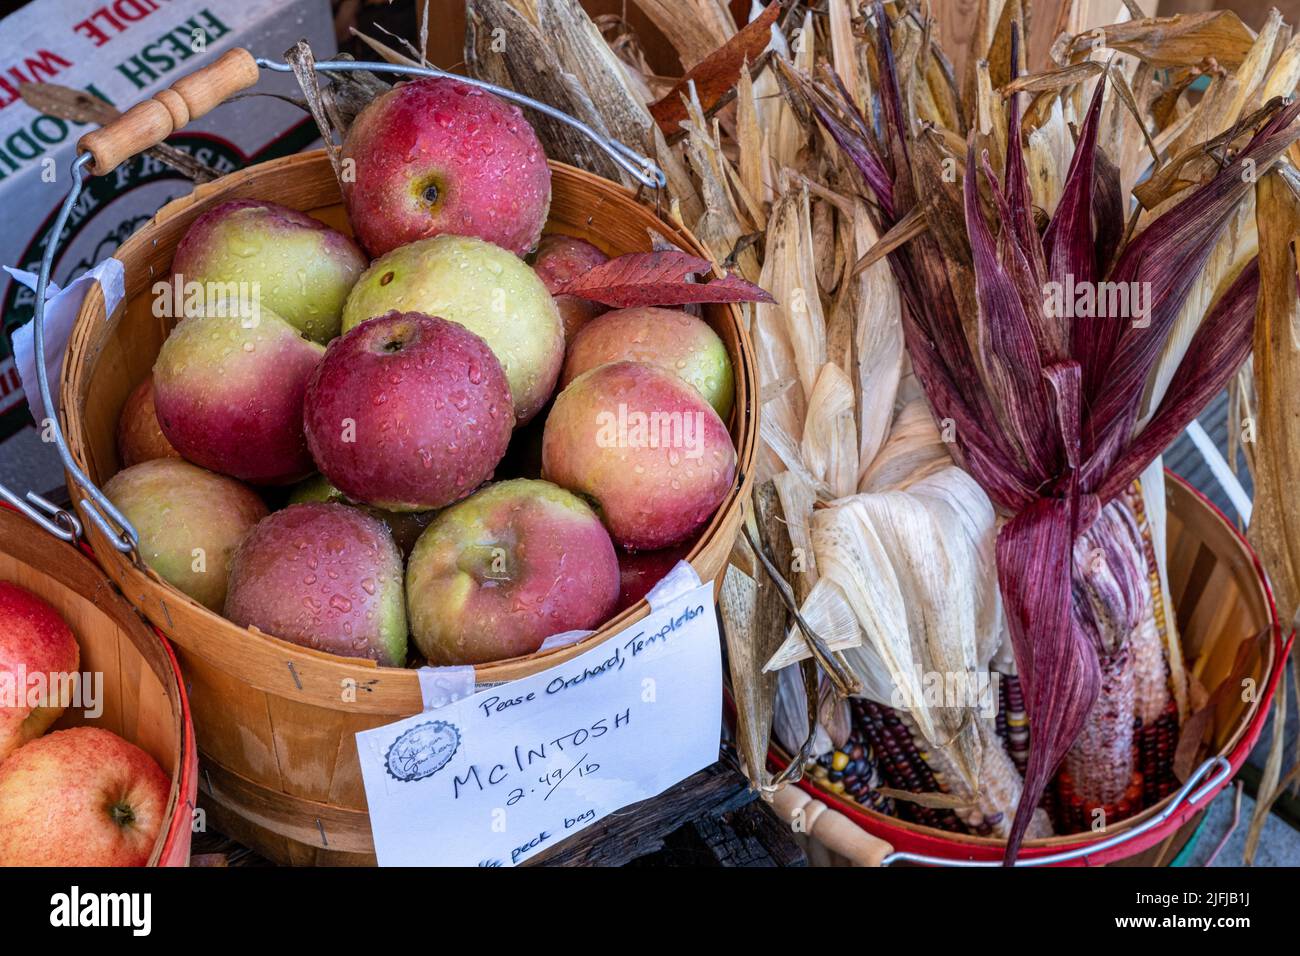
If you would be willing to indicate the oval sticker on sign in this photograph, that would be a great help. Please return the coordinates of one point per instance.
(422, 751)
(496, 777)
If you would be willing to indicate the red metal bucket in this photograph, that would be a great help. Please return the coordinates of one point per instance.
(1222, 599)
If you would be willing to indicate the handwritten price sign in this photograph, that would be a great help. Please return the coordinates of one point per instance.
(494, 778)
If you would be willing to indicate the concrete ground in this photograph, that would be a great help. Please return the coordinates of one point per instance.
(1279, 845)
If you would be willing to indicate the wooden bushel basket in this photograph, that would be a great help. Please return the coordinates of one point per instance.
(276, 721)
(144, 699)
(1224, 607)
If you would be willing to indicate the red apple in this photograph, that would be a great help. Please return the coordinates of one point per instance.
(81, 797)
(640, 571)
(323, 575)
(228, 390)
(139, 436)
(438, 156)
(35, 641)
(498, 573)
(560, 260)
(298, 267)
(643, 446)
(408, 412)
(674, 340)
(190, 521)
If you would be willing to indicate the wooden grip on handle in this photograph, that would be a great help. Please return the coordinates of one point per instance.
(150, 122)
(829, 827)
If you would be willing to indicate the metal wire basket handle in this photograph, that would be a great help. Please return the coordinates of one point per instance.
(45, 513)
(1185, 795)
(150, 122)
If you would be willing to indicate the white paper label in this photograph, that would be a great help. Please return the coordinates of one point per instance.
(492, 779)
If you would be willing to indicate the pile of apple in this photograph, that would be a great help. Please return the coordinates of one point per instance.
(439, 417)
(76, 797)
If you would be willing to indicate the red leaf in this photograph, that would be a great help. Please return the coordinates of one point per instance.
(659, 278)
(718, 72)
(1217, 350)
(1166, 257)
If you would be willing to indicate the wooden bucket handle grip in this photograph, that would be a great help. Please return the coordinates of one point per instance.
(829, 827)
(151, 121)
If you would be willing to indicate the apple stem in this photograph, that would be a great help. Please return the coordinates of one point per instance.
(122, 814)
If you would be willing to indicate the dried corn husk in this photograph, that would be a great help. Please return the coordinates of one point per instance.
(751, 144)
(914, 450)
(1275, 454)
(878, 342)
(907, 565)
(695, 28)
(533, 65)
(1275, 520)
(754, 621)
(720, 226)
(1183, 40)
(789, 335)
(830, 438)
(584, 54)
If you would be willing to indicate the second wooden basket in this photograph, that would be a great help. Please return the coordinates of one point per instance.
(143, 699)
(276, 721)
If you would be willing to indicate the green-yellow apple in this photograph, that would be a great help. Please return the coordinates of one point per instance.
(139, 436)
(560, 259)
(81, 797)
(440, 156)
(670, 338)
(295, 265)
(38, 655)
(228, 389)
(482, 287)
(190, 522)
(323, 575)
(408, 412)
(495, 575)
(645, 448)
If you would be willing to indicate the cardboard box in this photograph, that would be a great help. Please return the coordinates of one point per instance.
(123, 51)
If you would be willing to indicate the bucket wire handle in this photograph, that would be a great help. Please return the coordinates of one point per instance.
(1185, 795)
(58, 522)
(150, 122)
(639, 167)
(102, 512)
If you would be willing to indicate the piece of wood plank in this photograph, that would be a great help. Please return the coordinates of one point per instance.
(646, 828)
